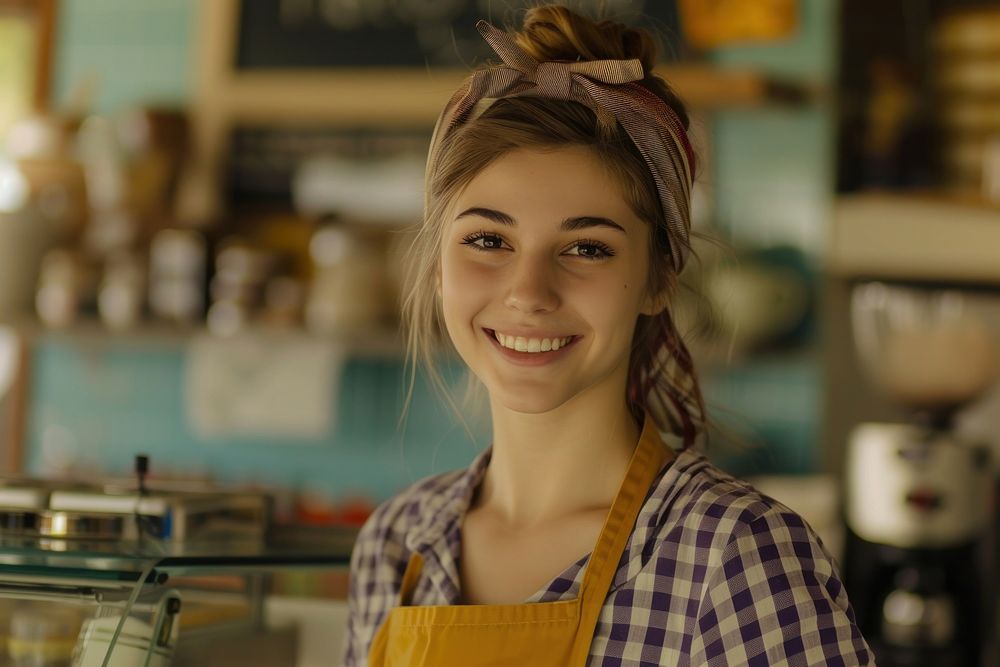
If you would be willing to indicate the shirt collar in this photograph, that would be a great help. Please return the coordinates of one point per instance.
(443, 511)
(437, 536)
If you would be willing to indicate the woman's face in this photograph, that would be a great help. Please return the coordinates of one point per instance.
(542, 254)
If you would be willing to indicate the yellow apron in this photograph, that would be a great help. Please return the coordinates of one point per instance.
(546, 634)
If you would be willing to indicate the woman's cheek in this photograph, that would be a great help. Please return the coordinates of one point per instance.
(464, 284)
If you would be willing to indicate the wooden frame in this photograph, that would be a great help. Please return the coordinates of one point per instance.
(39, 16)
(15, 419)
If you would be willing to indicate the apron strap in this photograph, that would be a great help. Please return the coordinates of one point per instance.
(649, 456)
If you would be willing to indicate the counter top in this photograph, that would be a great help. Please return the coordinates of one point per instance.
(118, 562)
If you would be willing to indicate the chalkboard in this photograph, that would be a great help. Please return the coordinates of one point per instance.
(323, 34)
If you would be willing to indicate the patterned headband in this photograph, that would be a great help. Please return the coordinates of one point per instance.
(604, 86)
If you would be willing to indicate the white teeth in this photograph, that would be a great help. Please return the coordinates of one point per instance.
(522, 344)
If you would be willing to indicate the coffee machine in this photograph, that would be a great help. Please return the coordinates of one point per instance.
(918, 503)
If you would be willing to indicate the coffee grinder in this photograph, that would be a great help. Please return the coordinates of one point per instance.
(918, 557)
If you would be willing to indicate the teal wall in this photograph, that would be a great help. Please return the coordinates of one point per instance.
(810, 52)
(773, 177)
(133, 51)
(765, 416)
(97, 402)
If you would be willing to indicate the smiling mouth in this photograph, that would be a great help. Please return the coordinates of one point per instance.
(531, 344)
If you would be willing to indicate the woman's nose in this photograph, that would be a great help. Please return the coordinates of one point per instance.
(531, 287)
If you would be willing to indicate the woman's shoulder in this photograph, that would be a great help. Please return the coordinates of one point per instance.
(754, 568)
(405, 510)
(696, 505)
(695, 491)
(768, 589)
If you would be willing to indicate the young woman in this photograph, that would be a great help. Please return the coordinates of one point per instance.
(556, 223)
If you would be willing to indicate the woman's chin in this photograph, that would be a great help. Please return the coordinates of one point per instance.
(529, 402)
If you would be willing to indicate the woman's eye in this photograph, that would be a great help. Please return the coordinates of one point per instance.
(483, 241)
(591, 250)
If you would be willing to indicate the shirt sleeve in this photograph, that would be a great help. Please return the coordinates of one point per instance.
(355, 644)
(776, 599)
(373, 583)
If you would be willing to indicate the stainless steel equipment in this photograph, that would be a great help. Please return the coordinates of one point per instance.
(918, 501)
(114, 511)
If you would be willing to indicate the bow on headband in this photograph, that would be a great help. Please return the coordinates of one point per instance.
(605, 86)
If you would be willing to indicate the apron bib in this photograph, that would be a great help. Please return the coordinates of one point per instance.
(539, 634)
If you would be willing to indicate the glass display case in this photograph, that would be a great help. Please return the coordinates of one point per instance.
(118, 603)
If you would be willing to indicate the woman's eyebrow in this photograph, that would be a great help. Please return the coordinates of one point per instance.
(585, 221)
(490, 214)
(569, 224)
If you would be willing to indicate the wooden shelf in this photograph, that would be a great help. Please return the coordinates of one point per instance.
(402, 96)
(924, 237)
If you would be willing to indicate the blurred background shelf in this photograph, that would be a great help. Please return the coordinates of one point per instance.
(408, 97)
(920, 237)
(384, 343)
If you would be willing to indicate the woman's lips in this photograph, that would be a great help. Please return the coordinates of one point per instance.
(530, 358)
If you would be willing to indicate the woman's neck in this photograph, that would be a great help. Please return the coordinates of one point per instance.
(549, 466)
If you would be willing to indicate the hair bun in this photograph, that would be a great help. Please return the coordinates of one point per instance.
(554, 32)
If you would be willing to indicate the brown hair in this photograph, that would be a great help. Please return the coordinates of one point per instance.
(661, 377)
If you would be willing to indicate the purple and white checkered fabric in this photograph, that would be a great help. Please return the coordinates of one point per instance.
(714, 574)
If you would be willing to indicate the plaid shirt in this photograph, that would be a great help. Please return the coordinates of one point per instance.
(714, 573)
